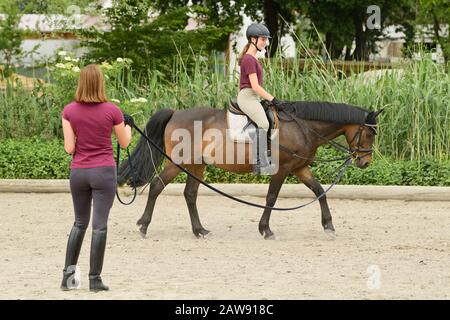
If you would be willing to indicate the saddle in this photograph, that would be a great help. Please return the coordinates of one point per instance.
(241, 127)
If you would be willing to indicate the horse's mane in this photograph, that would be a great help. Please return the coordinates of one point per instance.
(326, 111)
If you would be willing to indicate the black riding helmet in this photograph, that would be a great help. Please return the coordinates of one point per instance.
(257, 30)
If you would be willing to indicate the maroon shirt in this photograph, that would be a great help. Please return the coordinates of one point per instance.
(92, 124)
(249, 65)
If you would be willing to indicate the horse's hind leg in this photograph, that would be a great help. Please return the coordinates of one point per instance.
(156, 187)
(305, 175)
(190, 194)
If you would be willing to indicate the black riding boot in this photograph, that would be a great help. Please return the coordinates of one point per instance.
(72, 252)
(262, 165)
(97, 253)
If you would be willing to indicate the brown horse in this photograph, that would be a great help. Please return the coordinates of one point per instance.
(302, 137)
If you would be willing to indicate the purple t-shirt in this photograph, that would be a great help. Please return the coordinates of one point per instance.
(92, 124)
(249, 65)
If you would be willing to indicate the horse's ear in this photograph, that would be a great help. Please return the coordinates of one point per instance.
(371, 118)
(378, 112)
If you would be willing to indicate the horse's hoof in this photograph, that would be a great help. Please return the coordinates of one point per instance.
(142, 229)
(203, 233)
(331, 234)
(269, 236)
(143, 235)
(263, 230)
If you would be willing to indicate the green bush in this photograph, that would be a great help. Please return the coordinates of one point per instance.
(33, 158)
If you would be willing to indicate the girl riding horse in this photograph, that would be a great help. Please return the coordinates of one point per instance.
(251, 92)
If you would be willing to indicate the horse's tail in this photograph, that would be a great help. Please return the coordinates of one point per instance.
(146, 158)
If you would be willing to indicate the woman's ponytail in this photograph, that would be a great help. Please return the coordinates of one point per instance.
(244, 51)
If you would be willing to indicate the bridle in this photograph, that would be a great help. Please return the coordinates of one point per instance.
(355, 152)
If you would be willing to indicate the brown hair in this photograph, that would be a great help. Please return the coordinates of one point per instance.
(241, 55)
(91, 87)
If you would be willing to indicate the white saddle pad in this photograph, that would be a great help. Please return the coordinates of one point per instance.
(236, 132)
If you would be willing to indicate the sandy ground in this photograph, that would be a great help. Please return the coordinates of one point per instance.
(383, 250)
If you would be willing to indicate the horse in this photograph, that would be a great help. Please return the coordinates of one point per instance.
(320, 124)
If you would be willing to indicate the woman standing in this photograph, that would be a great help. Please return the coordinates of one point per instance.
(87, 124)
(251, 91)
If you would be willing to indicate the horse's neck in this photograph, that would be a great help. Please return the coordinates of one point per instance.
(327, 130)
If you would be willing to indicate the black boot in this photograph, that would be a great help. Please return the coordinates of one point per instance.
(72, 252)
(262, 165)
(97, 253)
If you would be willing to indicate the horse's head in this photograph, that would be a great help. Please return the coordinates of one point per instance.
(360, 139)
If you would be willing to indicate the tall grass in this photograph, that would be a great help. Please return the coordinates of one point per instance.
(416, 122)
(414, 126)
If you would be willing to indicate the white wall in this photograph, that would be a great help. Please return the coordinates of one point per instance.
(48, 48)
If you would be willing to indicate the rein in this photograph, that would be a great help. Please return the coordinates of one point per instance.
(341, 171)
(353, 152)
(133, 178)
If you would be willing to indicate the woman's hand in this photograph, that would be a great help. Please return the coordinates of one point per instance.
(128, 120)
(123, 134)
(275, 102)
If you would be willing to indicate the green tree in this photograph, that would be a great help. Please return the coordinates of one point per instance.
(228, 14)
(436, 13)
(278, 15)
(11, 37)
(151, 43)
(343, 22)
(223, 14)
(51, 7)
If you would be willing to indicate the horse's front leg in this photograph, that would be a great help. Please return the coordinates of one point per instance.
(274, 188)
(305, 175)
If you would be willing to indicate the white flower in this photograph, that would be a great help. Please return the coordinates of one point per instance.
(115, 100)
(138, 100)
(119, 60)
(62, 53)
(76, 69)
(71, 59)
(106, 65)
(60, 65)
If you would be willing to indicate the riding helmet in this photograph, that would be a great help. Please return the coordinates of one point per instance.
(257, 30)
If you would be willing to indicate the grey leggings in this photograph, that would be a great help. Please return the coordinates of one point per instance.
(98, 184)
